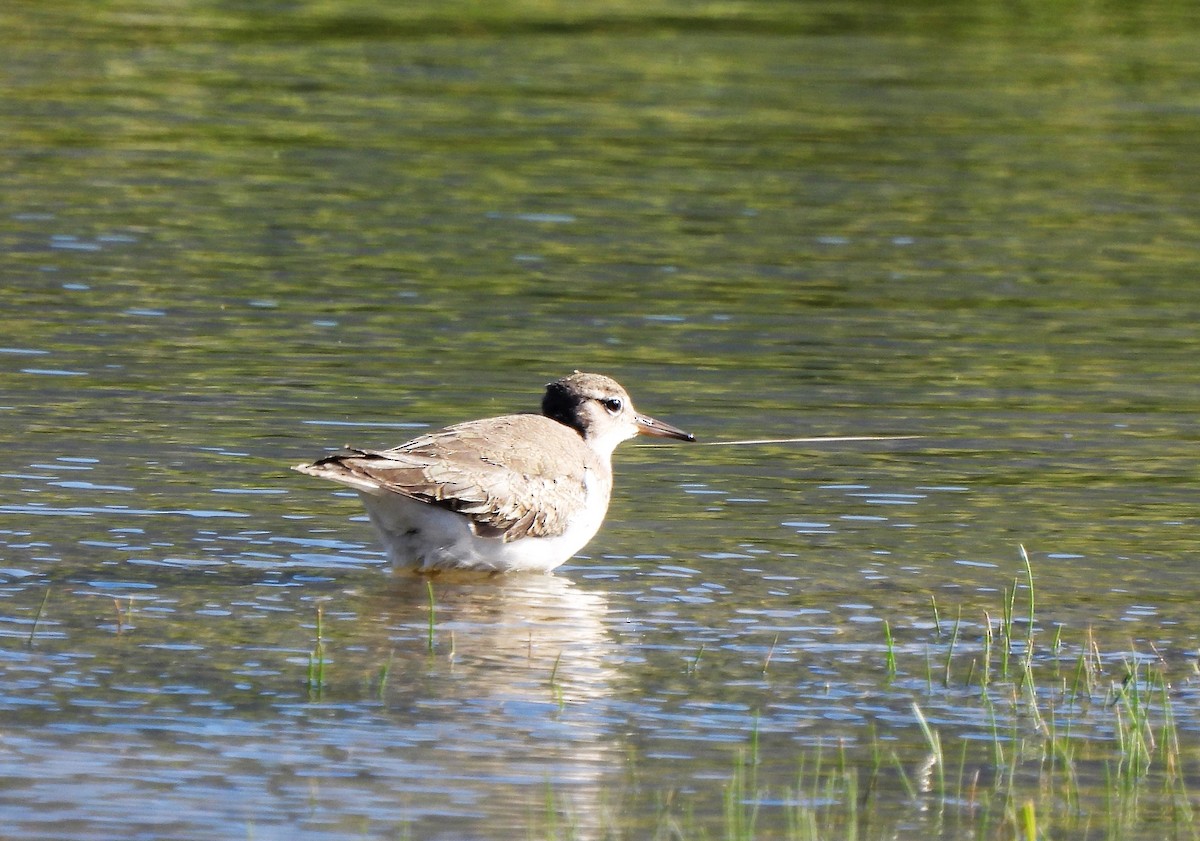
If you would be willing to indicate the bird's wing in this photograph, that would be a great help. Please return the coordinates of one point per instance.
(486, 471)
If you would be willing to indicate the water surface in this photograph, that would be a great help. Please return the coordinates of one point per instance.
(236, 238)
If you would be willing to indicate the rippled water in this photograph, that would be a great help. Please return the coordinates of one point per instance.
(234, 239)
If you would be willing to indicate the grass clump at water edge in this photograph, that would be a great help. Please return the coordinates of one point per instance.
(1076, 744)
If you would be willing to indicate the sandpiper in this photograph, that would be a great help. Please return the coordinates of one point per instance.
(515, 492)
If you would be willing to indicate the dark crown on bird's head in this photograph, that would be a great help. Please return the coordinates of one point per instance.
(566, 399)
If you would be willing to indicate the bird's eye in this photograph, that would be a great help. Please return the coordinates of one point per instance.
(613, 404)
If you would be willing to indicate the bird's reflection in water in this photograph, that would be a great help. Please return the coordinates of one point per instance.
(501, 696)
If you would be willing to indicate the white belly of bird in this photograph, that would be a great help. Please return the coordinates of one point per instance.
(423, 536)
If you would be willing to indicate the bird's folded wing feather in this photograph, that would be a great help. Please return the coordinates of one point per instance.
(507, 491)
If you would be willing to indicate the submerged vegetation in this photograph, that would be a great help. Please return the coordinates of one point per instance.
(1083, 744)
(989, 719)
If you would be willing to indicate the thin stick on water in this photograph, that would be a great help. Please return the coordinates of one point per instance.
(819, 440)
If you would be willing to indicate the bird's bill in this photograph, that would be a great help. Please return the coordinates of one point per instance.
(649, 426)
